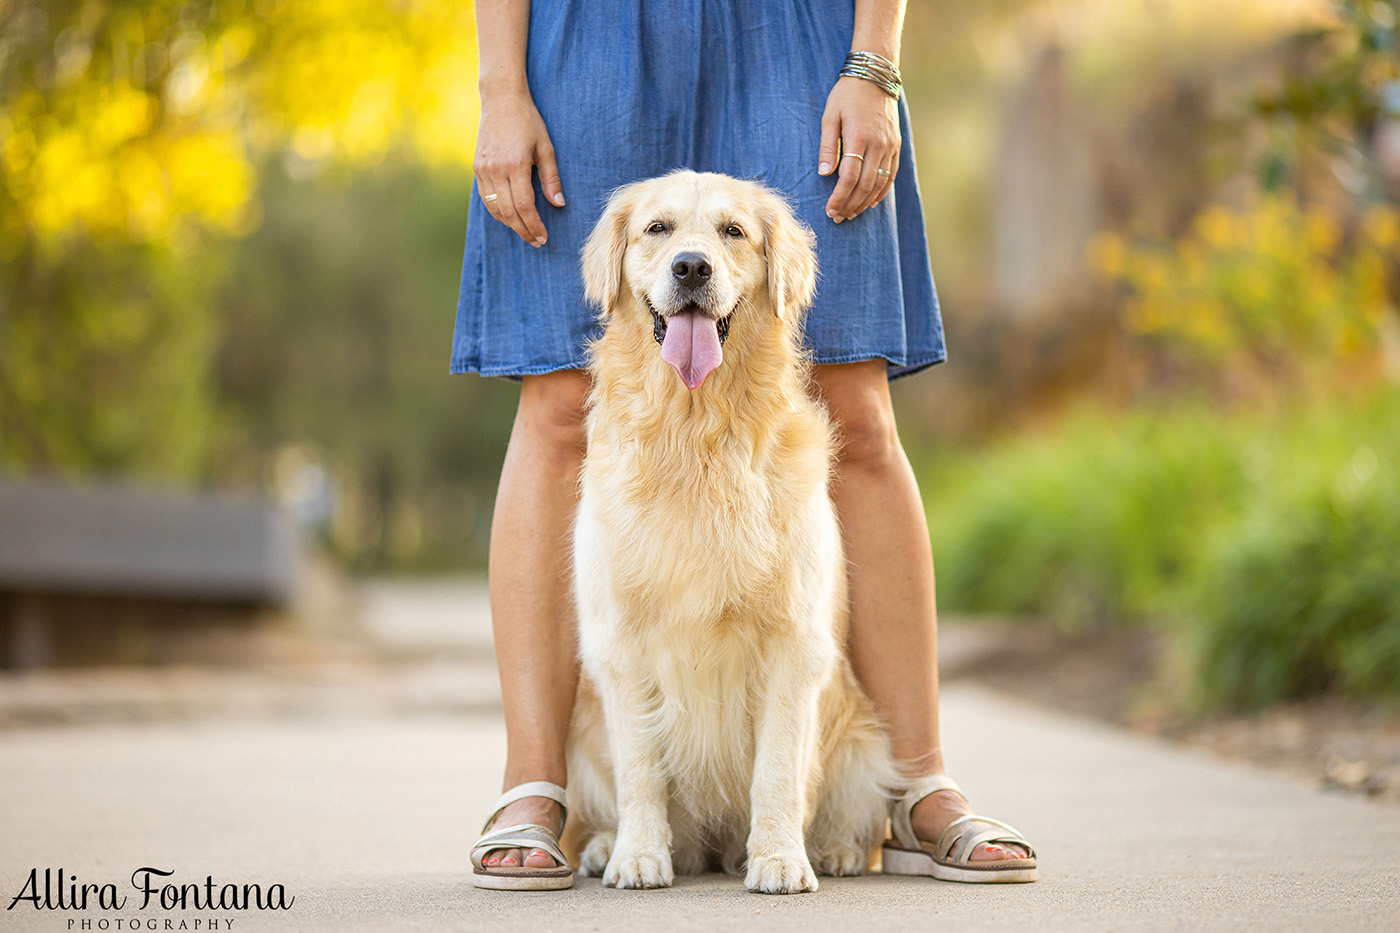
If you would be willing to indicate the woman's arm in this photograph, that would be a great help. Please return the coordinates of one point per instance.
(878, 27)
(862, 119)
(512, 138)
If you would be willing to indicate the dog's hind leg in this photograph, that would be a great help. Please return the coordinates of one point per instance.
(851, 814)
(592, 823)
(593, 861)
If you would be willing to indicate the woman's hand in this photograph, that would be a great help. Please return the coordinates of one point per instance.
(511, 141)
(860, 120)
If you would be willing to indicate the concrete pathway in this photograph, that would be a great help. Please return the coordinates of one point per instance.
(366, 820)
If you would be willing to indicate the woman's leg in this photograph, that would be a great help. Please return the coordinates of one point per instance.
(532, 612)
(894, 627)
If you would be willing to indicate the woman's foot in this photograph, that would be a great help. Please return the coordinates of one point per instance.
(539, 810)
(932, 814)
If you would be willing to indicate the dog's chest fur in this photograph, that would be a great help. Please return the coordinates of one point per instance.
(700, 525)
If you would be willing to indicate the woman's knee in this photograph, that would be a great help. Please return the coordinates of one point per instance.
(858, 397)
(551, 409)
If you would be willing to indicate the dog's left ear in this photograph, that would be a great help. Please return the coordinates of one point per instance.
(792, 260)
(602, 254)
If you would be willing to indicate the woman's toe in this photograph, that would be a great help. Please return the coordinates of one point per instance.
(989, 852)
(538, 858)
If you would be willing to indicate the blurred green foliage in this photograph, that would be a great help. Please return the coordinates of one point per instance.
(1089, 525)
(105, 354)
(1265, 544)
(338, 318)
(1301, 596)
(144, 332)
(130, 134)
(1336, 96)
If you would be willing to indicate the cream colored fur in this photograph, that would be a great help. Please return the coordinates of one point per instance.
(718, 722)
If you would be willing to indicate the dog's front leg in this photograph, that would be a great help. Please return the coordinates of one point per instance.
(641, 856)
(785, 751)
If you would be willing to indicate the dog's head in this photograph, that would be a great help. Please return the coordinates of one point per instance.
(694, 256)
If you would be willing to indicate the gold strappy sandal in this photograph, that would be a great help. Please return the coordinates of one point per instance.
(523, 836)
(907, 855)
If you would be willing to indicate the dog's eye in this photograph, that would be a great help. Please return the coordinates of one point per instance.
(734, 230)
(657, 227)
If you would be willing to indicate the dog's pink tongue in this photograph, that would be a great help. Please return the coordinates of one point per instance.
(692, 346)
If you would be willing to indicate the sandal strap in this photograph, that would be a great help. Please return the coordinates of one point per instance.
(531, 789)
(966, 833)
(901, 807)
(519, 836)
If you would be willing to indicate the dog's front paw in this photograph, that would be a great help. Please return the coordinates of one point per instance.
(780, 873)
(594, 858)
(639, 867)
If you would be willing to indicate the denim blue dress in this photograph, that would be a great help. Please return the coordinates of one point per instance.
(633, 89)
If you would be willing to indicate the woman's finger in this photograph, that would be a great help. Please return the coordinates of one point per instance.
(549, 174)
(505, 210)
(886, 182)
(848, 174)
(831, 137)
(522, 189)
(867, 185)
(490, 193)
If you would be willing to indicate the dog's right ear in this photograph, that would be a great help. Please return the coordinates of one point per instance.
(602, 254)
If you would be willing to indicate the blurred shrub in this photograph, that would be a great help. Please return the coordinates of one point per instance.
(1277, 297)
(338, 318)
(1267, 545)
(130, 132)
(144, 119)
(1323, 120)
(1088, 526)
(1303, 595)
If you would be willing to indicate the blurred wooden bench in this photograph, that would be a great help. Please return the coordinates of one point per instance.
(76, 555)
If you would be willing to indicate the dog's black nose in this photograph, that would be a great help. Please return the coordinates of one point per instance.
(691, 270)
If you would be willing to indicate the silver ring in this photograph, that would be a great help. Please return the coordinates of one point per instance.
(853, 155)
(880, 171)
(488, 198)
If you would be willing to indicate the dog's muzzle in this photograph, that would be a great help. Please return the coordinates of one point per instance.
(658, 326)
(691, 341)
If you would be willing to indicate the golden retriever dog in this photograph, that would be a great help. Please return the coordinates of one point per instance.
(718, 721)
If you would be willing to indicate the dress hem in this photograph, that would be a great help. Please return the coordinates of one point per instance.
(516, 373)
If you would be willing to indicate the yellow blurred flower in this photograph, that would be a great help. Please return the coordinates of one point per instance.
(1278, 283)
(137, 150)
(1381, 227)
(1216, 227)
(1107, 254)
